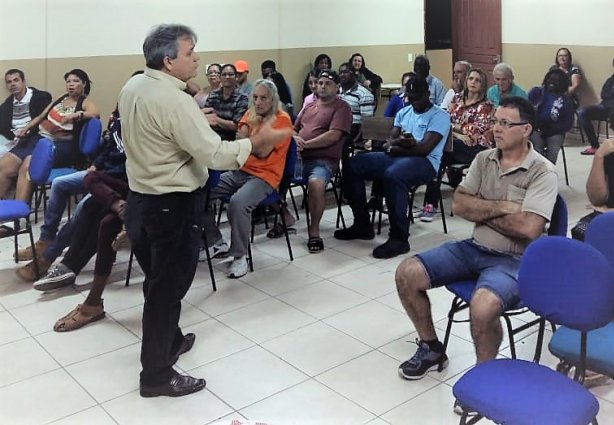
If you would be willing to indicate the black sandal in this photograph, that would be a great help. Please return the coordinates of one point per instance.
(315, 245)
(277, 231)
(6, 231)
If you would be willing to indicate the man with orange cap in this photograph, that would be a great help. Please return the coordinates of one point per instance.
(242, 71)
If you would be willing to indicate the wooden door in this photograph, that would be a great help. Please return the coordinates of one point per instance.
(476, 33)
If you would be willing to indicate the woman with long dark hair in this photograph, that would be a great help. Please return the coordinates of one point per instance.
(321, 62)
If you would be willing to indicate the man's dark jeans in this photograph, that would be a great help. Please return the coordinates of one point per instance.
(165, 232)
(398, 174)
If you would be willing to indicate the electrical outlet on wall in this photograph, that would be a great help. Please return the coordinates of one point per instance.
(410, 57)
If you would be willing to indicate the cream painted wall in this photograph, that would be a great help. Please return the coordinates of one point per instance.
(562, 22)
(85, 28)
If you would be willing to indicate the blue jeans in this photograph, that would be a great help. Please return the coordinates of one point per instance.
(61, 190)
(465, 260)
(398, 174)
(585, 116)
(64, 236)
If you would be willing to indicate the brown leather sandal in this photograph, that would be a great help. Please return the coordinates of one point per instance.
(79, 317)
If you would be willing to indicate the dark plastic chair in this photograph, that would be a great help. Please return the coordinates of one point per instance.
(566, 282)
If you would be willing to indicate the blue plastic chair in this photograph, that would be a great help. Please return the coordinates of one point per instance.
(273, 198)
(89, 143)
(569, 283)
(15, 210)
(463, 290)
(565, 343)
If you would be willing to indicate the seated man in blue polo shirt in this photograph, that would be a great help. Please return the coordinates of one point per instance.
(412, 156)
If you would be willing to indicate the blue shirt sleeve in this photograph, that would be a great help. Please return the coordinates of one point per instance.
(394, 105)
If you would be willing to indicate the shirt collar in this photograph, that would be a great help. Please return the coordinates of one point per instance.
(531, 157)
(159, 75)
(26, 97)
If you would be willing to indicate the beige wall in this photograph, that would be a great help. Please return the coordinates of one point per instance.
(531, 62)
(109, 73)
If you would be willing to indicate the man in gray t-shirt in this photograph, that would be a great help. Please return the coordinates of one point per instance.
(509, 193)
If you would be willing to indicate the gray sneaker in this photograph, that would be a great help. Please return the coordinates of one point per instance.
(423, 362)
(238, 267)
(56, 277)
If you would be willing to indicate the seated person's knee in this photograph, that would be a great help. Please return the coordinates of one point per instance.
(411, 276)
(485, 305)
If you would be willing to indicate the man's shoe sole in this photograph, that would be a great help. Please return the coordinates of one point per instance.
(51, 284)
(433, 368)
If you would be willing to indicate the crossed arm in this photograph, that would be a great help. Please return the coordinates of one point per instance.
(506, 217)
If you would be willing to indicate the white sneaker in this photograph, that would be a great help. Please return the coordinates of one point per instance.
(238, 267)
(218, 249)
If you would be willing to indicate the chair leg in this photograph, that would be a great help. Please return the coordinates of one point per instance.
(129, 271)
(306, 204)
(443, 213)
(565, 164)
(293, 203)
(16, 256)
(339, 211)
(250, 257)
(34, 255)
(283, 221)
(510, 334)
(209, 262)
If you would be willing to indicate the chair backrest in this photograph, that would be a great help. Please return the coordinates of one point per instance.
(290, 159)
(559, 219)
(41, 162)
(567, 282)
(89, 140)
(600, 234)
(213, 179)
(376, 128)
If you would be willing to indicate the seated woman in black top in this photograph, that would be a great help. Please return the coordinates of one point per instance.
(364, 76)
(322, 61)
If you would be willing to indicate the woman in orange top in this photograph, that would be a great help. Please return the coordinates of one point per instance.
(258, 177)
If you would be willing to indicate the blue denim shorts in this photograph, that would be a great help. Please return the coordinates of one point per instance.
(466, 260)
(317, 169)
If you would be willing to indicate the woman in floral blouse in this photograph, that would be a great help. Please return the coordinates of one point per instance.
(470, 113)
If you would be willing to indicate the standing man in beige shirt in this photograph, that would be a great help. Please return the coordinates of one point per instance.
(169, 146)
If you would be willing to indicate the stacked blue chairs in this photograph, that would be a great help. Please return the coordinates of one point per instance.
(566, 282)
(464, 290)
(565, 343)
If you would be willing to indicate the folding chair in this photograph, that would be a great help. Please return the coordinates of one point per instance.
(463, 290)
(566, 282)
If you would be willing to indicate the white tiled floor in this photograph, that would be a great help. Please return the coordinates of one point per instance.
(315, 341)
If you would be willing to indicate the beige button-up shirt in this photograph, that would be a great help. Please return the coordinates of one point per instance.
(168, 142)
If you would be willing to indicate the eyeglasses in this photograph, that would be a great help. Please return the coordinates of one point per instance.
(212, 73)
(228, 74)
(505, 123)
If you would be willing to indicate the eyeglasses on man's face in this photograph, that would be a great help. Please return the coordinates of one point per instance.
(505, 123)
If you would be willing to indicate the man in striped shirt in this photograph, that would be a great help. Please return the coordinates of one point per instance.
(360, 100)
